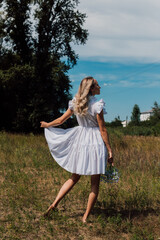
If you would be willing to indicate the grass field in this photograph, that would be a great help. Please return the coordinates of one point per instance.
(30, 180)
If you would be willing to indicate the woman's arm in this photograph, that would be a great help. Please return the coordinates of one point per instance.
(104, 135)
(57, 121)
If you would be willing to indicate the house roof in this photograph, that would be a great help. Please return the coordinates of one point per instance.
(150, 111)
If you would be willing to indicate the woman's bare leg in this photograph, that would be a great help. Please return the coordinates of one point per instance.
(67, 186)
(92, 196)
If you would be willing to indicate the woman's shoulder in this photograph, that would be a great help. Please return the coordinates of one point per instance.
(71, 103)
(97, 105)
(93, 100)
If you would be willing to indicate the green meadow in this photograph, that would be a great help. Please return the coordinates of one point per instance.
(30, 180)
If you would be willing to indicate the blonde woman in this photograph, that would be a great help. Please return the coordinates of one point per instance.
(81, 150)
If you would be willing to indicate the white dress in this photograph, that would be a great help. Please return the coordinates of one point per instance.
(80, 149)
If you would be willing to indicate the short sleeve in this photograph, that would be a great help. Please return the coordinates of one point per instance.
(71, 104)
(99, 106)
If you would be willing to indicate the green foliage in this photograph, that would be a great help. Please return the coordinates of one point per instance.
(24, 105)
(18, 28)
(15, 97)
(136, 130)
(9, 59)
(148, 127)
(50, 95)
(135, 118)
(139, 131)
(2, 33)
(156, 110)
(145, 128)
(116, 123)
(34, 81)
(156, 114)
(59, 24)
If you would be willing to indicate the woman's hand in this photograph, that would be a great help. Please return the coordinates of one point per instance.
(110, 158)
(44, 124)
(110, 153)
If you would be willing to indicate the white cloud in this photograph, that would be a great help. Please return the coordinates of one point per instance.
(107, 84)
(138, 79)
(105, 76)
(121, 29)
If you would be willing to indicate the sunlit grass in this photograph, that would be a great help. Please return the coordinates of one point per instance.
(30, 180)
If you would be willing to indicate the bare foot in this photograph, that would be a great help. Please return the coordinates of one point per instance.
(49, 211)
(84, 219)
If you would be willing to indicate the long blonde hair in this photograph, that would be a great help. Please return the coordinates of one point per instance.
(81, 98)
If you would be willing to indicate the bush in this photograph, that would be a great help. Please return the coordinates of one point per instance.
(14, 97)
(135, 130)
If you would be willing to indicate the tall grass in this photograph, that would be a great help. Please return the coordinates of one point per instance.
(30, 180)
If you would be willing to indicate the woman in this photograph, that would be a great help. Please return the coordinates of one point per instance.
(81, 150)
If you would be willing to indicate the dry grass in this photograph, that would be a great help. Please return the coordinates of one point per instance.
(30, 180)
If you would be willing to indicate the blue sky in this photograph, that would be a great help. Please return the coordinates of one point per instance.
(122, 53)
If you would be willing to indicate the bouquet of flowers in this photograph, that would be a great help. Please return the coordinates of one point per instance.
(111, 175)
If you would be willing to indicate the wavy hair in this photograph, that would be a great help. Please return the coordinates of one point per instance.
(81, 98)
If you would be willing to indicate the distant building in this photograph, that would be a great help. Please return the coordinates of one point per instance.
(146, 115)
(124, 123)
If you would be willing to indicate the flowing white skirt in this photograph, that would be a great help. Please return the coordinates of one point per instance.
(79, 150)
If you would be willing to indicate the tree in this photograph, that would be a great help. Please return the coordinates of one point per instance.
(156, 110)
(116, 123)
(18, 28)
(15, 98)
(57, 24)
(155, 119)
(2, 34)
(135, 117)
